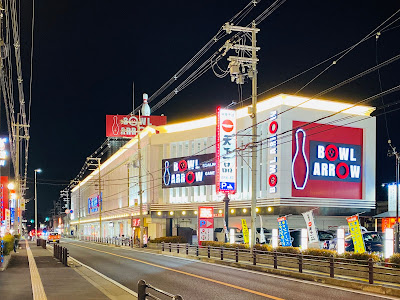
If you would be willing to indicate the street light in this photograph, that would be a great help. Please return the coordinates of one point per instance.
(36, 171)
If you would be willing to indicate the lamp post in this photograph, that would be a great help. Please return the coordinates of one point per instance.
(36, 171)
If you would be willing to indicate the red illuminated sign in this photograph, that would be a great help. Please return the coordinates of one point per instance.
(326, 161)
(128, 126)
(3, 198)
(136, 222)
(206, 212)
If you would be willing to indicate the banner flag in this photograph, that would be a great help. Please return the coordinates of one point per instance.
(356, 235)
(262, 235)
(245, 231)
(312, 231)
(284, 234)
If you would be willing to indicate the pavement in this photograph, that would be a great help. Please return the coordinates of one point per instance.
(33, 273)
(194, 279)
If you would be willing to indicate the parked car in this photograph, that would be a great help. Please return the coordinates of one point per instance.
(219, 234)
(373, 241)
(53, 237)
(332, 244)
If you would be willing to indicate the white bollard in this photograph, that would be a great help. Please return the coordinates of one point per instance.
(274, 238)
(232, 236)
(340, 241)
(304, 239)
(389, 245)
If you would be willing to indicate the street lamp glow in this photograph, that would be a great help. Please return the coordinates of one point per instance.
(11, 186)
(38, 170)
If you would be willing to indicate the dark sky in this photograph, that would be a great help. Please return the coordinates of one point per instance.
(87, 53)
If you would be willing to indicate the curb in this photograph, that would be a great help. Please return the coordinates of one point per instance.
(377, 289)
(5, 263)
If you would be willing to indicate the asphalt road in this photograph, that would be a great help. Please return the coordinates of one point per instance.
(198, 280)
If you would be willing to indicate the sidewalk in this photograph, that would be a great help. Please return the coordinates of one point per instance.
(15, 281)
(52, 280)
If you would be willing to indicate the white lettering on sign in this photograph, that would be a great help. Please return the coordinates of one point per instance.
(341, 170)
(273, 151)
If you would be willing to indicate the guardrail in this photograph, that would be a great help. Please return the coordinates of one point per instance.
(110, 240)
(61, 253)
(145, 289)
(330, 266)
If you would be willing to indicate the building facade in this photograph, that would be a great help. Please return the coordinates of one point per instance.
(310, 154)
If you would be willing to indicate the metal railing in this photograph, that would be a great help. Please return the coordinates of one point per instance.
(41, 242)
(61, 253)
(328, 266)
(146, 291)
(117, 241)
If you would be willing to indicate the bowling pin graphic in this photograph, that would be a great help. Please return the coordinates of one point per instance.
(167, 174)
(300, 160)
(115, 127)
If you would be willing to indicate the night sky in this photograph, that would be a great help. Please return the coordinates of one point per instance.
(87, 53)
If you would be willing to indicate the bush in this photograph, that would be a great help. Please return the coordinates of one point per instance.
(8, 244)
(319, 252)
(226, 245)
(395, 259)
(169, 239)
(292, 250)
(362, 257)
(264, 247)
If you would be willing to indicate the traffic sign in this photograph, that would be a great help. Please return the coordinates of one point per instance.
(206, 223)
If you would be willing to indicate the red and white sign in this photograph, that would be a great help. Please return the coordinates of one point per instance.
(327, 161)
(226, 151)
(128, 126)
(135, 222)
(3, 197)
(205, 224)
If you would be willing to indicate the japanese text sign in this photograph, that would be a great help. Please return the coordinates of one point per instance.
(312, 231)
(226, 151)
(356, 235)
(245, 231)
(284, 234)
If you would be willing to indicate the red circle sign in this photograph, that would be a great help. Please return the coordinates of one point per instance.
(273, 180)
(190, 177)
(227, 125)
(331, 152)
(346, 170)
(182, 165)
(273, 127)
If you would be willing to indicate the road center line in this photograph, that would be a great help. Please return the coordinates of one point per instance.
(185, 273)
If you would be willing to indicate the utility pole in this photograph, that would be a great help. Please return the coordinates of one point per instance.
(140, 186)
(238, 66)
(393, 152)
(17, 131)
(97, 164)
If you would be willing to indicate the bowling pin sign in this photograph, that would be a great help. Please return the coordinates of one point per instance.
(300, 166)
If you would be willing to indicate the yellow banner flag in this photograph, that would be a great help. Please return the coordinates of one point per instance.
(245, 231)
(356, 235)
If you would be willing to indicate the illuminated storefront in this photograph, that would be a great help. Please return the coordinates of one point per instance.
(315, 153)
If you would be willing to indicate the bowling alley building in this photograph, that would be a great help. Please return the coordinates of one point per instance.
(311, 153)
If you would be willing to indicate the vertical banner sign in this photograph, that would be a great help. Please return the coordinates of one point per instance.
(312, 231)
(245, 231)
(356, 235)
(262, 235)
(226, 154)
(206, 224)
(284, 234)
(226, 231)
